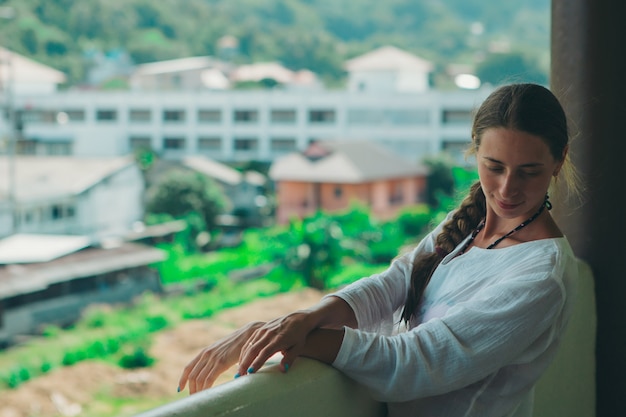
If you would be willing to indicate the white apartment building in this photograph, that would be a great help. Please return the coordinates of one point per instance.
(242, 125)
(388, 100)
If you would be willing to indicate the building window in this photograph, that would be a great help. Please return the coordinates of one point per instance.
(358, 116)
(246, 116)
(283, 116)
(322, 116)
(139, 115)
(396, 194)
(139, 142)
(106, 115)
(173, 143)
(282, 144)
(57, 148)
(26, 147)
(70, 115)
(338, 192)
(209, 116)
(209, 144)
(456, 117)
(56, 212)
(173, 116)
(246, 144)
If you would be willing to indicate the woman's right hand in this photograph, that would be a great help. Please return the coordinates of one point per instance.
(202, 371)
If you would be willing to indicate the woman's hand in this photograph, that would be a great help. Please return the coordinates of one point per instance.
(287, 334)
(213, 360)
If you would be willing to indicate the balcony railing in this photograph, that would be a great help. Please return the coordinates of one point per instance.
(312, 389)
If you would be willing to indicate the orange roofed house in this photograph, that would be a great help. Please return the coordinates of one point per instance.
(330, 175)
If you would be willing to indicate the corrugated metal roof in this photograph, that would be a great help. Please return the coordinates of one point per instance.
(222, 172)
(43, 177)
(27, 278)
(32, 248)
(347, 162)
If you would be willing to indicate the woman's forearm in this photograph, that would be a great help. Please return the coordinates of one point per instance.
(323, 345)
(332, 313)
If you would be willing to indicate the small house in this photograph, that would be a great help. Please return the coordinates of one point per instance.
(330, 175)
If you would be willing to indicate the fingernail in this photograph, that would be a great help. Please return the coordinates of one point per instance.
(286, 367)
(178, 389)
(237, 375)
(250, 370)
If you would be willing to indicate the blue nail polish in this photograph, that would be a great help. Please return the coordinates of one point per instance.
(237, 375)
(286, 367)
(250, 370)
(178, 389)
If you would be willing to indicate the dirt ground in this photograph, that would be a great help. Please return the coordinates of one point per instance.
(69, 391)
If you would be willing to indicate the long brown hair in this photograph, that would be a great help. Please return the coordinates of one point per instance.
(528, 108)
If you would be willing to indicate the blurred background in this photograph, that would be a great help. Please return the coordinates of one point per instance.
(161, 162)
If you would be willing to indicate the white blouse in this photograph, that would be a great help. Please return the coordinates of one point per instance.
(487, 328)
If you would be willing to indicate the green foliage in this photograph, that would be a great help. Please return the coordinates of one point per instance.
(338, 249)
(414, 220)
(499, 69)
(137, 358)
(317, 35)
(190, 196)
(353, 272)
(440, 179)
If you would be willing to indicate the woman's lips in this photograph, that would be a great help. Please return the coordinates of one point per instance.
(507, 206)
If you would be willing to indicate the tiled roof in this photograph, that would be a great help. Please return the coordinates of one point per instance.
(346, 162)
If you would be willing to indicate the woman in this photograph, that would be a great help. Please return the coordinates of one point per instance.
(484, 297)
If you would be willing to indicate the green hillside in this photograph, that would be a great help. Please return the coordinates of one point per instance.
(314, 34)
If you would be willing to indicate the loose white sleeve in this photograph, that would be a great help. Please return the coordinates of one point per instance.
(375, 299)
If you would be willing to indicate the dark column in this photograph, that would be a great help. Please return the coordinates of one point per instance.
(589, 76)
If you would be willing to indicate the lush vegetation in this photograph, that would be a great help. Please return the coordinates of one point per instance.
(324, 251)
(320, 35)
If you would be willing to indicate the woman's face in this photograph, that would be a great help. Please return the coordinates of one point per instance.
(515, 169)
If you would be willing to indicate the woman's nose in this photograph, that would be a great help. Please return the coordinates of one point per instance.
(509, 186)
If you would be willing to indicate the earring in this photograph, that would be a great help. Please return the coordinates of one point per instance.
(547, 202)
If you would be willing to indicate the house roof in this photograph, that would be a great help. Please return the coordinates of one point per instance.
(27, 278)
(176, 65)
(24, 70)
(346, 162)
(388, 58)
(263, 70)
(32, 248)
(43, 177)
(221, 172)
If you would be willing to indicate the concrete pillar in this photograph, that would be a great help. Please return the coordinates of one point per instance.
(589, 76)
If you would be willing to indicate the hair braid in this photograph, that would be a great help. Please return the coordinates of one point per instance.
(470, 212)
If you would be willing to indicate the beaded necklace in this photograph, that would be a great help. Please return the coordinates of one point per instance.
(500, 239)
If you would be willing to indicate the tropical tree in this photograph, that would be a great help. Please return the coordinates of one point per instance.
(188, 195)
(501, 68)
